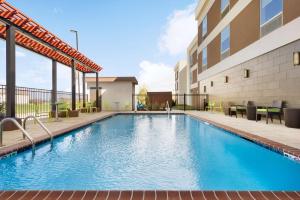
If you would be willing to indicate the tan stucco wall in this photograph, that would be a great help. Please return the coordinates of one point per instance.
(114, 92)
(272, 77)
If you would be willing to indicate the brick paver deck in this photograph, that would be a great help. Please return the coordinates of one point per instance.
(147, 195)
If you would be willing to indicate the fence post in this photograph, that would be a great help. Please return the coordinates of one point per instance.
(184, 95)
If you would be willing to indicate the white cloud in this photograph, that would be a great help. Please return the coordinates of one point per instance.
(20, 54)
(179, 31)
(156, 76)
(35, 74)
(57, 11)
(2, 82)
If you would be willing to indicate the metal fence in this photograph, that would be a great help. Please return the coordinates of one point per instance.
(158, 101)
(33, 101)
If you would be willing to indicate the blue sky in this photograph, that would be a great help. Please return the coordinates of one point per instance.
(129, 38)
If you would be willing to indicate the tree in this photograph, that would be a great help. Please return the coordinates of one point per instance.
(142, 95)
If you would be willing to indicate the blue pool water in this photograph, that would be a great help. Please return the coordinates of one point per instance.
(150, 152)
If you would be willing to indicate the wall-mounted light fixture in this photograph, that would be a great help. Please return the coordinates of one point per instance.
(296, 59)
(246, 73)
(226, 79)
(211, 84)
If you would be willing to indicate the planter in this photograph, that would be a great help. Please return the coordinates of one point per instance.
(73, 113)
(292, 117)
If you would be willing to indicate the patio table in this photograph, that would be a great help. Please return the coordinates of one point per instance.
(56, 110)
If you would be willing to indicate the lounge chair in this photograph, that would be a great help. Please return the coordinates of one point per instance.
(275, 109)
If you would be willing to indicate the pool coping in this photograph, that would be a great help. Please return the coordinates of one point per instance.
(288, 151)
(150, 195)
(285, 150)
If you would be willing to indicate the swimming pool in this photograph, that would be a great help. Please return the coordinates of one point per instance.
(146, 152)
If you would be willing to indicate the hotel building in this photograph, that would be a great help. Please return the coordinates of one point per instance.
(192, 54)
(247, 50)
(181, 80)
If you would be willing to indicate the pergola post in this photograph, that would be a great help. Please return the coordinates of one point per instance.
(73, 82)
(10, 71)
(97, 90)
(83, 90)
(54, 85)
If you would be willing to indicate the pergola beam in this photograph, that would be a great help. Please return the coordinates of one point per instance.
(33, 37)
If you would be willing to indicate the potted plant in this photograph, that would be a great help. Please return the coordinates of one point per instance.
(2, 111)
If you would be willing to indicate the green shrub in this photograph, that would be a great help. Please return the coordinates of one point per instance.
(2, 110)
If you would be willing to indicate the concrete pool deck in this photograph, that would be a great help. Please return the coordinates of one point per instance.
(13, 140)
(273, 135)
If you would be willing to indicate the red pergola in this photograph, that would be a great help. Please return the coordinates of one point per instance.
(35, 37)
(17, 28)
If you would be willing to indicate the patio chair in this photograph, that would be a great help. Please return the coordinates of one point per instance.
(226, 107)
(91, 108)
(218, 107)
(240, 109)
(275, 109)
(63, 109)
(210, 106)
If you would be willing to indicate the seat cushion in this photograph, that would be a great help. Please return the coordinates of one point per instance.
(241, 108)
(232, 108)
(274, 110)
(261, 110)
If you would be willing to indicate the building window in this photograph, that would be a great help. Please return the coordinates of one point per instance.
(225, 42)
(270, 9)
(224, 5)
(191, 61)
(204, 26)
(194, 80)
(194, 58)
(270, 16)
(204, 59)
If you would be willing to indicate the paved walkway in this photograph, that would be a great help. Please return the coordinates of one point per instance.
(13, 138)
(273, 131)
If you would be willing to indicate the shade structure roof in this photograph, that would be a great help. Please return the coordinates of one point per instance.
(32, 36)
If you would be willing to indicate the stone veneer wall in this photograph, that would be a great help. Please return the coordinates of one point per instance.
(272, 77)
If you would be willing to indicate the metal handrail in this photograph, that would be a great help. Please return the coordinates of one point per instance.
(41, 125)
(19, 127)
(168, 109)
